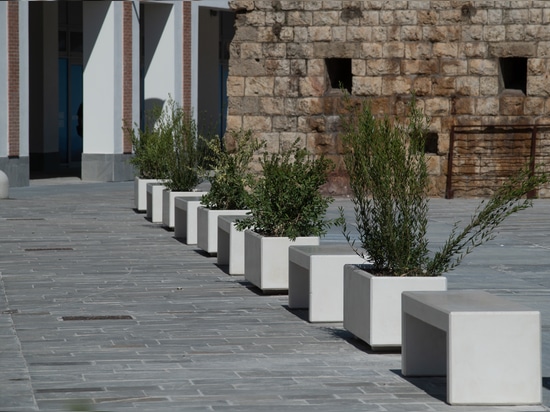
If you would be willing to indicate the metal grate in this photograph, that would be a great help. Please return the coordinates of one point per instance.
(97, 317)
(48, 249)
(482, 157)
(25, 218)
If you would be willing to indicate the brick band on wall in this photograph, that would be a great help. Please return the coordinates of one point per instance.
(186, 75)
(13, 79)
(127, 96)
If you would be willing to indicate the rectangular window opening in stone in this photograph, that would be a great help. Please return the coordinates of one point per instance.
(431, 143)
(513, 71)
(339, 74)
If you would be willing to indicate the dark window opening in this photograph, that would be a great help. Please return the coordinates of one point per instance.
(514, 73)
(339, 73)
(431, 143)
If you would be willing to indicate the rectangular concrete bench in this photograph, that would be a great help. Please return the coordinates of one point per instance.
(316, 279)
(488, 347)
(230, 244)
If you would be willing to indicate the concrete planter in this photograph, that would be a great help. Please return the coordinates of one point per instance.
(140, 193)
(230, 244)
(169, 205)
(372, 304)
(154, 202)
(185, 218)
(207, 227)
(266, 259)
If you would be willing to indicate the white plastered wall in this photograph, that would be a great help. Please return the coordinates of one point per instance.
(163, 53)
(102, 77)
(23, 79)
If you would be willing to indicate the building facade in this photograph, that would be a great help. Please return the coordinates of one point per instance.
(480, 70)
(74, 73)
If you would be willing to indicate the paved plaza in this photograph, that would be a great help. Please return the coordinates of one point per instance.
(99, 306)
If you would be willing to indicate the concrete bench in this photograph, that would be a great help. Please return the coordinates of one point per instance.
(230, 244)
(316, 279)
(488, 347)
(185, 218)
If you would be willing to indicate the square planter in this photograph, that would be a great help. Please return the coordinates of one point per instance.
(266, 259)
(154, 202)
(169, 205)
(140, 193)
(185, 218)
(207, 227)
(230, 244)
(372, 304)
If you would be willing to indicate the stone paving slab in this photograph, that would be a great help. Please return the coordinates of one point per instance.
(99, 305)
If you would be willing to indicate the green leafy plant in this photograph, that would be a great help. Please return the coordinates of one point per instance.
(231, 176)
(507, 200)
(167, 148)
(285, 200)
(150, 149)
(179, 128)
(387, 168)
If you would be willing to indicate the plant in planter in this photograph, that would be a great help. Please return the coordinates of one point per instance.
(388, 174)
(286, 208)
(149, 159)
(231, 174)
(179, 129)
(230, 180)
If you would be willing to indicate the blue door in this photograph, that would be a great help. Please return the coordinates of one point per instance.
(70, 112)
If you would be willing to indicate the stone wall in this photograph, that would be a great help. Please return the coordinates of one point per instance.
(477, 62)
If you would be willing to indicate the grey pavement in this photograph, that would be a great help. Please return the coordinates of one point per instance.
(99, 306)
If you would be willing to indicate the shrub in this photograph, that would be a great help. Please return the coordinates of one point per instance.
(150, 150)
(285, 200)
(389, 180)
(179, 128)
(231, 176)
(387, 168)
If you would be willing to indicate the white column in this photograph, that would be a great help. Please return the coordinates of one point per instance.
(23, 79)
(102, 157)
(136, 62)
(163, 53)
(102, 77)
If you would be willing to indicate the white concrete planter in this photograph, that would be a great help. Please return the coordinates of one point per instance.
(230, 244)
(169, 205)
(185, 218)
(207, 227)
(140, 193)
(266, 259)
(154, 201)
(372, 304)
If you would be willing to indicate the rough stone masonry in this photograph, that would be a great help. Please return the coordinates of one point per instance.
(480, 69)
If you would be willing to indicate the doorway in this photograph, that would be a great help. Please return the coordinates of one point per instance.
(216, 29)
(70, 83)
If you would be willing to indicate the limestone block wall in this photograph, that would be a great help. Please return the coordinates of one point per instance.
(476, 62)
